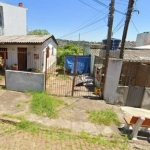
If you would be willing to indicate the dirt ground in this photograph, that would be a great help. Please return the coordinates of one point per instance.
(72, 116)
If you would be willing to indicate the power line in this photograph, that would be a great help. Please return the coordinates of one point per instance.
(91, 6)
(119, 23)
(84, 27)
(88, 21)
(118, 28)
(88, 31)
(104, 5)
(138, 31)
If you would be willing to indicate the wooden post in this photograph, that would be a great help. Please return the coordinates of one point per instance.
(128, 17)
(73, 82)
(110, 24)
(45, 70)
(5, 65)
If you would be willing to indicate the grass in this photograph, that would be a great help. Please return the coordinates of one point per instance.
(44, 104)
(54, 133)
(19, 106)
(105, 117)
(64, 77)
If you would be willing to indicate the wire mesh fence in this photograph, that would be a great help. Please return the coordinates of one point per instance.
(62, 81)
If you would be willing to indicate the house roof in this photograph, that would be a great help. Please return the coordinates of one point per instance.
(26, 39)
(137, 55)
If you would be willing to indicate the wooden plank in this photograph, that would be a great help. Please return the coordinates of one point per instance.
(133, 120)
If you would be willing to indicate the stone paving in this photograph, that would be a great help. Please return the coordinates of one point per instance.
(12, 138)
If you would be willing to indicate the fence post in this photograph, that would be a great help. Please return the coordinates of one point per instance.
(45, 70)
(5, 66)
(73, 82)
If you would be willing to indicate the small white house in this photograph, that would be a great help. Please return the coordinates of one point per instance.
(28, 51)
(13, 19)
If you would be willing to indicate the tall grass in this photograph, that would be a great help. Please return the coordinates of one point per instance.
(44, 104)
(105, 117)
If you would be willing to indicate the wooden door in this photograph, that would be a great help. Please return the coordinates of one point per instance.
(22, 59)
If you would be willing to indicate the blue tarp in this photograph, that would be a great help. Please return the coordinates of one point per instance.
(83, 64)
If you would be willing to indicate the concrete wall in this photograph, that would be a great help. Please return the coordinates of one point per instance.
(14, 20)
(112, 79)
(24, 81)
(112, 53)
(121, 95)
(143, 39)
(86, 50)
(146, 99)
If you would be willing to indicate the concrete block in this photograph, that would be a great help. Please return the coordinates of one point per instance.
(112, 79)
(25, 81)
(146, 99)
(121, 95)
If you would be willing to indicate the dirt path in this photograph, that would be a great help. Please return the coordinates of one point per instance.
(12, 102)
(72, 115)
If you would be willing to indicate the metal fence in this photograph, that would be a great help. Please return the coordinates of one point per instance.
(61, 82)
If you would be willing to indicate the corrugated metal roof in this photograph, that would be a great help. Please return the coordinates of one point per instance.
(137, 55)
(24, 39)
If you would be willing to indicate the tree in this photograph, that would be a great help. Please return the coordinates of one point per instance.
(68, 49)
(38, 32)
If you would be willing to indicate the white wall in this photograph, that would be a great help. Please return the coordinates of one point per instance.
(14, 20)
(52, 58)
(31, 50)
(143, 39)
(112, 79)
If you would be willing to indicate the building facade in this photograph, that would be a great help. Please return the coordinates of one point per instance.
(12, 19)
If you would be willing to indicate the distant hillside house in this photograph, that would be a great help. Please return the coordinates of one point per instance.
(12, 19)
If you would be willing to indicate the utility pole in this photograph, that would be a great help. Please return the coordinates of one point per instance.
(110, 25)
(128, 17)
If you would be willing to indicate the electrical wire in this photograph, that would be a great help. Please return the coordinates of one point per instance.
(104, 5)
(84, 27)
(91, 6)
(88, 31)
(138, 31)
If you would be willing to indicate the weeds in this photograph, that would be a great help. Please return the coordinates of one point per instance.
(19, 106)
(54, 133)
(44, 104)
(105, 117)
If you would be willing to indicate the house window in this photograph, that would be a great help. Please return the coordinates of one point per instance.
(2, 51)
(1, 17)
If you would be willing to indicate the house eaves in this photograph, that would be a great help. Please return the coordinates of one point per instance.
(26, 39)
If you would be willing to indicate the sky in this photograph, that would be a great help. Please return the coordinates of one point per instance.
(67, 19)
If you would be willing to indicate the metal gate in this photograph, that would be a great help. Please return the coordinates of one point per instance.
(135, 96)
(61, 82)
